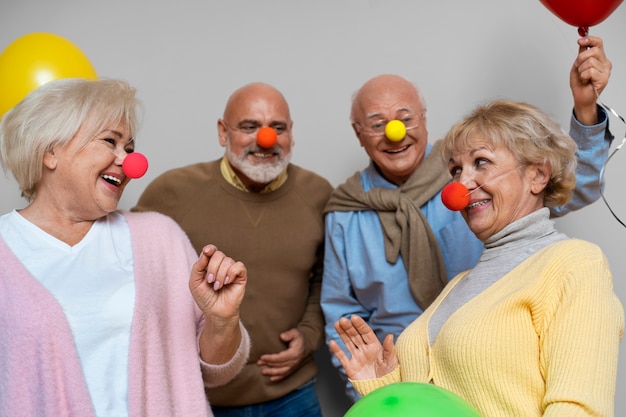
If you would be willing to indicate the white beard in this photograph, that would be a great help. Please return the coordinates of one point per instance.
(261, 173)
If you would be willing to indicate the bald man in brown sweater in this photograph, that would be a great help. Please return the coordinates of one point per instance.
(261, 209)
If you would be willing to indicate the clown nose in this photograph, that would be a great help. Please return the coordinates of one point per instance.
(455, 196)
(266, 137)
(395, 130)
(135, 165)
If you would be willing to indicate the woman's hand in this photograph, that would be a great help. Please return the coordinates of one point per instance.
(368, 358)
(218, 284)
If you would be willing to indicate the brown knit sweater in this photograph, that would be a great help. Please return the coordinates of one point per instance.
(279, 236)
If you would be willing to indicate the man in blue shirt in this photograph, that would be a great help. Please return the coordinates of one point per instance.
(391, 245)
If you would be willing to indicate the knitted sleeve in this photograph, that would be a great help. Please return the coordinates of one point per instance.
(365, 386)
(580, 340)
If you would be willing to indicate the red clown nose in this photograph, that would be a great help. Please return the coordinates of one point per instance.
(266, 137)
(455, 196)
(135, 165)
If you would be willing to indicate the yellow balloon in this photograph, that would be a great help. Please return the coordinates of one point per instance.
(395, 130)
(35, 59)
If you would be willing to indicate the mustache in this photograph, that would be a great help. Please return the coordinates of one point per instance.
(252, 149)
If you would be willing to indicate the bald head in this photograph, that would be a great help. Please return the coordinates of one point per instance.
(386, 87)
(256, 92)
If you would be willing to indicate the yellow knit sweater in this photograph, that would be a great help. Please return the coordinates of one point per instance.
(541, 341)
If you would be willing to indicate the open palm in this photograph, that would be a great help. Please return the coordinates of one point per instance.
(369, 358)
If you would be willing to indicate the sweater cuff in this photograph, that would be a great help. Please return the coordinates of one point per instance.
(365, 386)
(216, 375)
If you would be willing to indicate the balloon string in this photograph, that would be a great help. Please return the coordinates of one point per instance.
(610, 110)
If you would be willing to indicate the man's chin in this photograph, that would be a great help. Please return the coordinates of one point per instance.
(263, 173)
(262, 177)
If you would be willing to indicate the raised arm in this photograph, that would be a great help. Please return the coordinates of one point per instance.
(589, 125)
(589, 76)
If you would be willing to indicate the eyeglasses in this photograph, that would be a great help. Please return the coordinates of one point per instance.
(378, 127)
(253, 127)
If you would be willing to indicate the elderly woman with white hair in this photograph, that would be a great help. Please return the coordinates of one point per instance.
(103, 312)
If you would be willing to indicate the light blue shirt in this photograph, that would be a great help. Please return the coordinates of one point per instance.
(359, 280)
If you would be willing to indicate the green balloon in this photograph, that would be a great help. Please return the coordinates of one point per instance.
(411, 399)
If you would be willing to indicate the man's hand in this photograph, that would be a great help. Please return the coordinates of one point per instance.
(588, 77)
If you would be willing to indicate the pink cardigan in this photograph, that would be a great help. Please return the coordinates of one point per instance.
(40, 373)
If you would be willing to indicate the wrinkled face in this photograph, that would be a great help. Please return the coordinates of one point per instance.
(397, 160)
(501, 189)
(256, 166)
(85, 175)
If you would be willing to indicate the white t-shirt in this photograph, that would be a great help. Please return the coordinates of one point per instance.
(93, 281)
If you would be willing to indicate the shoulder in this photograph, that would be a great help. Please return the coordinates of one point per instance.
(310, 184)
(574, 251)
(191, 173)
(570, 262)
(309, 177)
(166, 192)
(152, 231)
(151, 223)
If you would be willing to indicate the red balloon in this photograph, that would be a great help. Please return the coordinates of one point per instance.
(455, 196)
(582, 13)
(135, 165)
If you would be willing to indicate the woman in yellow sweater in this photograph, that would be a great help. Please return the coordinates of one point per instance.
(534, 329)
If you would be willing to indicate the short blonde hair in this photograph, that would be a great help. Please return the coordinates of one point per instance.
(530, 134)
(52, 115)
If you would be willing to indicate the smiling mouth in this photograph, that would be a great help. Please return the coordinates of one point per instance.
(398, 150)
(478, 204)
(112, 180)
(263, 155)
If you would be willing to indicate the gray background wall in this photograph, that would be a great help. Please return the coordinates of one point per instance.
(186, 57)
